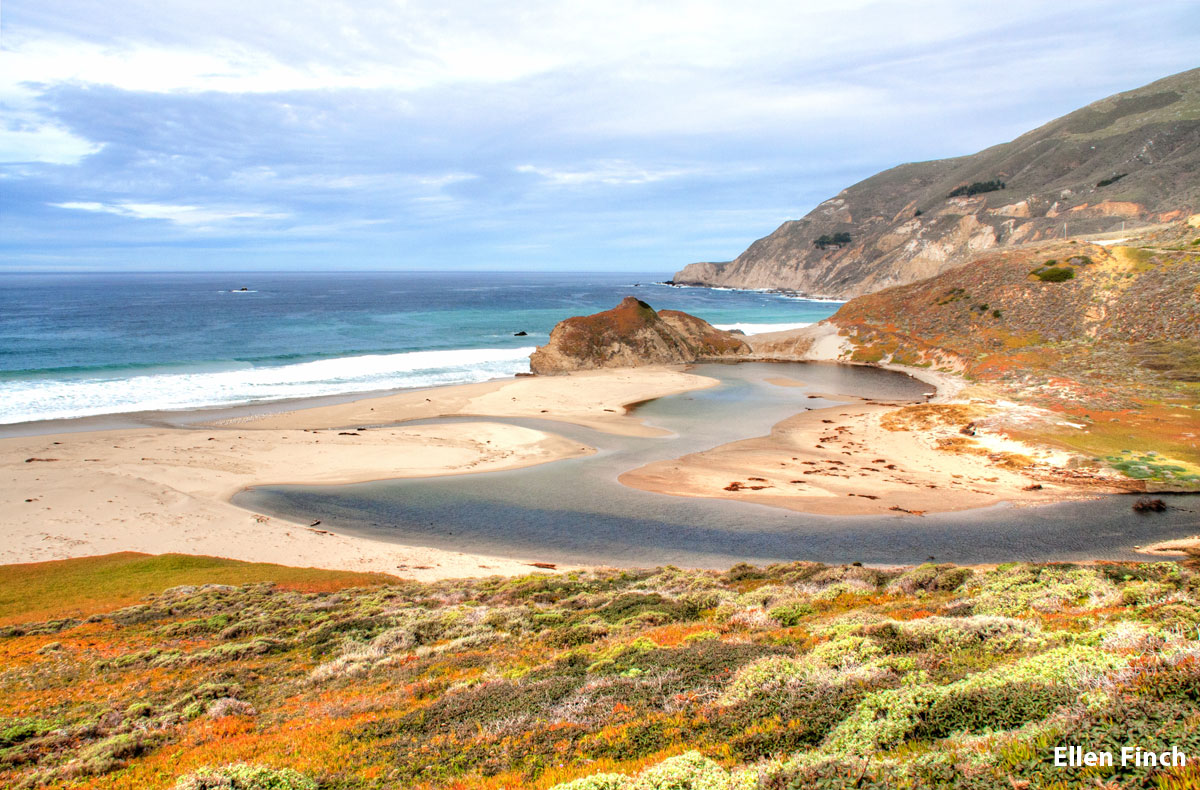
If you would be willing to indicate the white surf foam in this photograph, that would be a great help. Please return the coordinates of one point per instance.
(756, 329)
(48, 399)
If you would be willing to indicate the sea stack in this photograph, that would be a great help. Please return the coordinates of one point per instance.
(633, 334)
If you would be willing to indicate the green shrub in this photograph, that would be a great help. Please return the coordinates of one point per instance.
(996, 708)
(1144, 592)
(781, 720)
(763, 676)
(111, 753)
(628, 606)
(245, 776)
(1054, 274)
(1012, 590)
(885, 719)
(996, 635)
(790, 614)
(582, 634)
(977, 188)
(845, 652)
(690, 771)
(20, 731)
(597, 782)
(930, 577)
(963, 677)
(237, 651)
(139, 710)
(832, 240)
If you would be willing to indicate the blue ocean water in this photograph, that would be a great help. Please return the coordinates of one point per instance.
(77, 345)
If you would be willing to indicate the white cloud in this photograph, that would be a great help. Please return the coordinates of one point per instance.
(232, 67)
(267, 47)
(266, 176)
(609, 172)
(42, 141)
(672, 67)
(444, 179)
(281, 118)
(187, 216)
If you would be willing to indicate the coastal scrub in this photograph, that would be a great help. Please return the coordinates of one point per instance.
(792, 675)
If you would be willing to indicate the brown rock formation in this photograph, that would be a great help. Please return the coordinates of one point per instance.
(630, 335)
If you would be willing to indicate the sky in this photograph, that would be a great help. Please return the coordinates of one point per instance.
(171, 135)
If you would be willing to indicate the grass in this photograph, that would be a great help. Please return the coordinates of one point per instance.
(75, 587)
(1164, 430)
(793, 675)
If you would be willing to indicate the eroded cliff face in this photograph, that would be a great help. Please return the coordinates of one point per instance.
(632, 334)
(1127, 161)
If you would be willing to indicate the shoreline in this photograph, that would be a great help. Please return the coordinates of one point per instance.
(171, 481)
(790, 294)
(161, 489)
(854, 459)
(201, 416)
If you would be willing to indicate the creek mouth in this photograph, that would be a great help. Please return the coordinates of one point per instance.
(574, 511)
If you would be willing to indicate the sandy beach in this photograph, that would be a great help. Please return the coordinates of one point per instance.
(845, 460)
(163, 490)
(167, 489)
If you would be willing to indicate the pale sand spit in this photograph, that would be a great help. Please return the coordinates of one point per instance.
(842, 461)
(593, 398)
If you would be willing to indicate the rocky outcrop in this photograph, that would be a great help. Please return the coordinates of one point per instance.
(1121, 163)
(632, 334)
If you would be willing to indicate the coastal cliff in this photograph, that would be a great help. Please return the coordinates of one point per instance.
(632, 334)
(1126, 161)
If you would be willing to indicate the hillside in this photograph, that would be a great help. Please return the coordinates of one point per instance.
(1097, 345)
(1125, 161)
(796, 675)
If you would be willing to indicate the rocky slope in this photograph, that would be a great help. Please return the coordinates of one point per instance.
(1098, 345)
(1125, 161)
(632, 334)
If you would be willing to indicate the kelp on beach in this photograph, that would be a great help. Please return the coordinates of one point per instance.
(793, 675)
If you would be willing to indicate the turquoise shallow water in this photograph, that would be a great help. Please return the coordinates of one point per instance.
(575, 511)
(78, 345)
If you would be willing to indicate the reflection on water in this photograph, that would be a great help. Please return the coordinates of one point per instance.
(575, 511)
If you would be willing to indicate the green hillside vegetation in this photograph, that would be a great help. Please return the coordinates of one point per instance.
(71, 588)
(977, 188)
(1104, 338)
(1054, 274)
(832, 239)
(793, 676)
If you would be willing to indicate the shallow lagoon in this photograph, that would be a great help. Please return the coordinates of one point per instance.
(575, 511)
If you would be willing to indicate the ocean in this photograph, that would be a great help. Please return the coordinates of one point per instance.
(75, 345)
